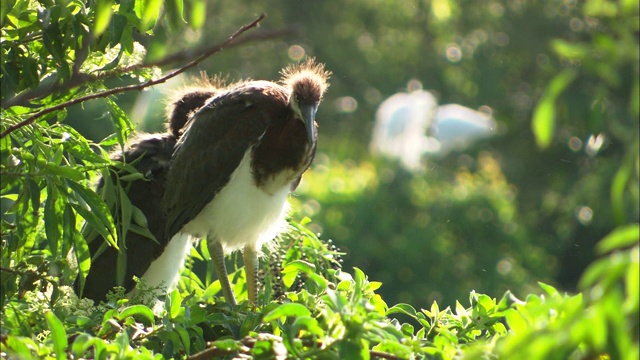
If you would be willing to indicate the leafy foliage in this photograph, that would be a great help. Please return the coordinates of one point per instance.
(310, 306)
(337, 314)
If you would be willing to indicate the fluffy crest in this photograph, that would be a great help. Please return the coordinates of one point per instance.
(307, 79)
(182, 103)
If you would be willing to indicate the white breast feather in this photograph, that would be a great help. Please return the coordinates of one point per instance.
(241, 214)
(166, 268)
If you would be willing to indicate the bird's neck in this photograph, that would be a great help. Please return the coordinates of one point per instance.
(283, 154)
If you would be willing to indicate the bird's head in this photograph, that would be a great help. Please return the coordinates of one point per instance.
(307, 82)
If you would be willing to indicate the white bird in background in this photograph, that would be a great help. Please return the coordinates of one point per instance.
(411, 125)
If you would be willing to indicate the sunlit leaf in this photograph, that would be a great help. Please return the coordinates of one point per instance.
(103, 12)
(176, 301)
(58, 335)
(120, 122)
(619, 238)
(150, 11)
(308, 324)
(632, 283)
(198, 13)
(553, 293)
(226, 344)
(287, 310)
(619, 185)
(139, 311)
(402, 309)
(517, 323)
(544, 115)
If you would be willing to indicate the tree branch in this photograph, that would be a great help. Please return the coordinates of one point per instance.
(207, 52)
(27, 273)
(78, 79)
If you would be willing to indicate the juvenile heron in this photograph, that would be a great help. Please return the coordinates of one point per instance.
(233, 167)
(150, 155)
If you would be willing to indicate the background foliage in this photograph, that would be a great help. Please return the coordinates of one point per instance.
(529, 205)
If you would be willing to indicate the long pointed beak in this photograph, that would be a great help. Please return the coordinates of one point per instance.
(309, 117)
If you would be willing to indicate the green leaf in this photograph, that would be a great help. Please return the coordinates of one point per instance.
(65, 171)
(137, 311)
(198, 13)
(619, 185)
(287, 310)
(58, 335)
(543, 123)
(53, 218)
(125, 211)
(98, 208)
(176, 301)
(292, 269)
(570, 50)
(227, 345)
(116, 29)
(34, 194)
(402, 309)
(174, 11)
(308, 324)
(103, 14)
(184, 337)
(149, 11)
(549, 290)
(632, 283)
(81, 344)
(120, 121)
(517, 322)
(619, 238)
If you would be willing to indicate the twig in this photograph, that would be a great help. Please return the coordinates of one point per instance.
(186, 55)
(25, 273)
(209, 52)
(382, 355)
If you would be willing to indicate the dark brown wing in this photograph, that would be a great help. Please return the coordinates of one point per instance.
(151, 156)
(213, 145)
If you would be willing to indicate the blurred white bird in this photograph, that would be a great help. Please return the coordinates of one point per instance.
(410, 125)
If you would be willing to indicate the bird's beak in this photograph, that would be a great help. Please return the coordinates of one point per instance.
(309, 117)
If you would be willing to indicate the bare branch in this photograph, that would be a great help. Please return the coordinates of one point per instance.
(79, 79)
(186, 55)
(210, 51)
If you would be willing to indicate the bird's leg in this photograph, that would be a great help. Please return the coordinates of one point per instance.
(217, 255)
(251, 269)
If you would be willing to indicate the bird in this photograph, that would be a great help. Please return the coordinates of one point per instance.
(150, 155)
(411, 124)
(234, 165)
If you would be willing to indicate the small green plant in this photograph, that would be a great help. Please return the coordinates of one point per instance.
(332, 313)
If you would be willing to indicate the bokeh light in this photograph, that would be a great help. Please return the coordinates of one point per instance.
(346, 104)
(453, 53)
(296, 52)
